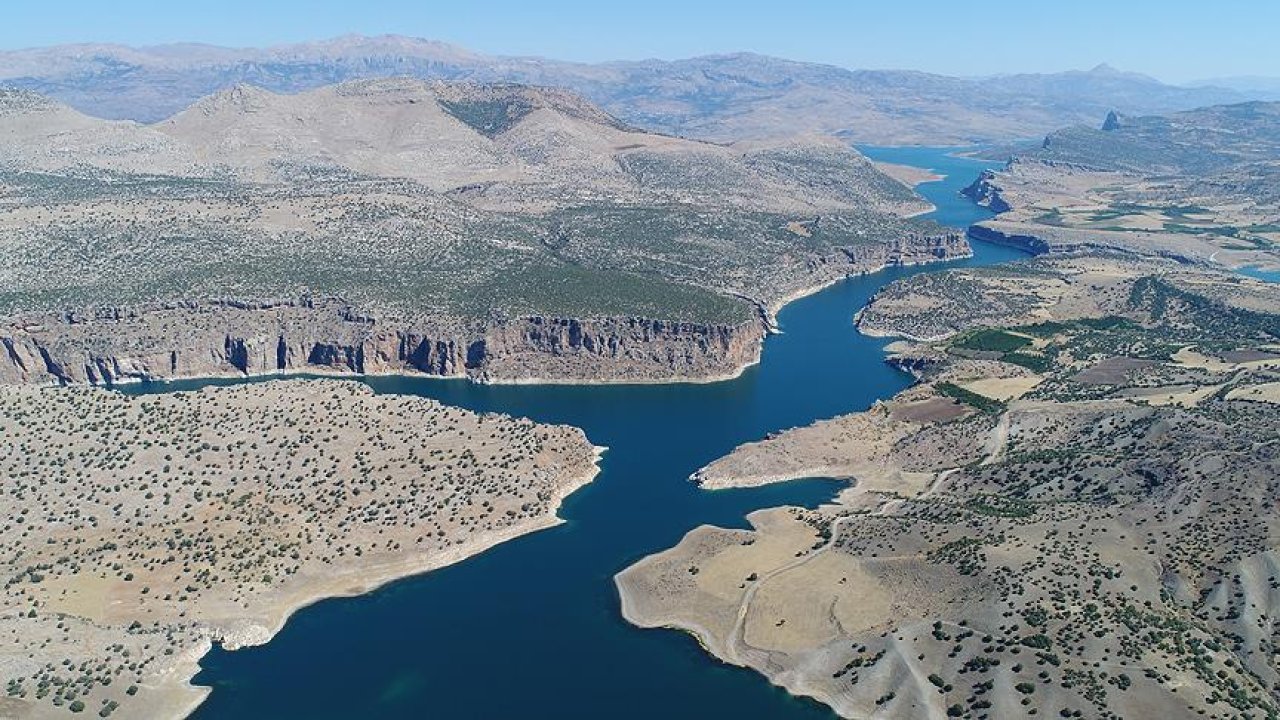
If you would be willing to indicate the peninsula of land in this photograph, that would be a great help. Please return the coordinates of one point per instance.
(140, 530)
(1070, 513)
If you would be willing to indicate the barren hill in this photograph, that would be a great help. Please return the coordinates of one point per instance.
(399, 224)
(37, 133)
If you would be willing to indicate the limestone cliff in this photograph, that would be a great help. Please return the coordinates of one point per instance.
(227, 338)
(988, 232)
(986, 192)
(848, 261)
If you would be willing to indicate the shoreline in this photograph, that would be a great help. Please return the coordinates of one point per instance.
(357, 376)
(740, 482)
(367, 581)
(702, 637)
(725, 653)
(773, 308)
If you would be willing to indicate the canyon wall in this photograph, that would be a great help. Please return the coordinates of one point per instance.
(164, 341)
(231, 338)
(1016, 238)
(986, 191)
(846, 261)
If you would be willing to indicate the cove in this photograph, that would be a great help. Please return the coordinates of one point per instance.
(531, 628)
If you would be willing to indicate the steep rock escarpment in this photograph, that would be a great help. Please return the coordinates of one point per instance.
(227, 338)
(986, 191)
(910, 250)
(846, 261)
(616, 349)
(1020, 240)
(1039, 239)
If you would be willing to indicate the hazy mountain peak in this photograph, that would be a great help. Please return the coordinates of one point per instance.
(242, 97)
(395, 88)
(374, 45)
(721, 97)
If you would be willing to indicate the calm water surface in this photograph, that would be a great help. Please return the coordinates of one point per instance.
(531, 628)
(1261, 274)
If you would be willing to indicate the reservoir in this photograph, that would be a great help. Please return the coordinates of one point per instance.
(532, 628)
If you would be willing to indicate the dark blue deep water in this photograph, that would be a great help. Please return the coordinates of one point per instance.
(531, 628)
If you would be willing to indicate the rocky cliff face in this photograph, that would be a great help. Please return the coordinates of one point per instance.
(913, 249)
(985, 191)
(1023, 241)
(616, 349)
(228, 338)
(916, 249)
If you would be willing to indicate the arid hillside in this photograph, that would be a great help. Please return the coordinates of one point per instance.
(470, 215)
(1069, 516)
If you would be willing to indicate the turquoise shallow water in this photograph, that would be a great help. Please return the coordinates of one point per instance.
(1259, 273)
(531, 628)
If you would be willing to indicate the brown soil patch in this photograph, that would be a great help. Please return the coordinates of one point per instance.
(1111, 371)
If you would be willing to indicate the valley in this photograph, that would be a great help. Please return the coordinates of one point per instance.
(379, 377)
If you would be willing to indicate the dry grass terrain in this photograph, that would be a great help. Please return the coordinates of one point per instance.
(138, 530)
(1071, 515)
(1201, 185)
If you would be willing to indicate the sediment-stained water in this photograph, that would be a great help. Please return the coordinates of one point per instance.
(532, 627)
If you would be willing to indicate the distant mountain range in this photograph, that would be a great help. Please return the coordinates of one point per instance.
(1262, 86)
(719, 97)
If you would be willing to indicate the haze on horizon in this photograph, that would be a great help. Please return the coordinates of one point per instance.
(1175, 41)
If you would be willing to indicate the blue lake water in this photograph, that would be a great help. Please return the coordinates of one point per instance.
(532, 627)
(1261, 274)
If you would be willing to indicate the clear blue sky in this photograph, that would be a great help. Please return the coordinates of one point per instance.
(1175, 40)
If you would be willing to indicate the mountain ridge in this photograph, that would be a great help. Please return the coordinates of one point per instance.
(722, 97)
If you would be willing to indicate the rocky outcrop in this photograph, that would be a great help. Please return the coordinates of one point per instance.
(914, 249)
(869, 257)
(229, 338)
(1022, 241)
(616, 349)
(985, 191)
(1040, 239)
(918, 362)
